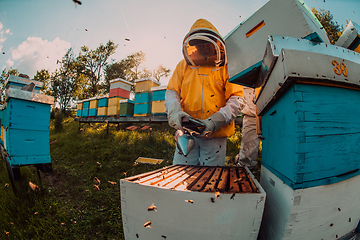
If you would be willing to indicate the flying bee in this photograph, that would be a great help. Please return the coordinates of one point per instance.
(189, 201)
(77, 2)
(232, 196)
(147, 224)
(152, 208)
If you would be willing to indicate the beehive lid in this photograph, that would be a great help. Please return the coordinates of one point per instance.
(29, 96)
(120, 80)
(148, 160)
(159, 88)
(23, 81)
(126, 101)
(245, 45)
(147, 79)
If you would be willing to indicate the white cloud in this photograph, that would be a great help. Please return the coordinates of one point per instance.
(2, 35)
(36, 54)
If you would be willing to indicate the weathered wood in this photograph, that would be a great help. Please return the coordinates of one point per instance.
(203, 181)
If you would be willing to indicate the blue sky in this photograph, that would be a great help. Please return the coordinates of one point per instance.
(34, 34)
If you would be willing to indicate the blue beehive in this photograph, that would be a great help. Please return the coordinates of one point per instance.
(26, 126)
(307, 141)
(158, 93)
(144, 97)
(142, 109)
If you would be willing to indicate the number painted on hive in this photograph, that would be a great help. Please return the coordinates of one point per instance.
(340, 68)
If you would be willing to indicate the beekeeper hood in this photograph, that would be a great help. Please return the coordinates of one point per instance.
(203, 45)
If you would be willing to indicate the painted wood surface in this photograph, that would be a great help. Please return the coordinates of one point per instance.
(145, 97)
(158, 95)
(126, 108)
(103, 102)
(322, 212)
(142, 108)
(158, 107)
(312, 135)
(188, 214)
(145, 84)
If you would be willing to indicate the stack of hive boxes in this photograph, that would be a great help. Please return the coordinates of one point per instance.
(93, 106)
(310, 154)
(85, 108)
(79, 107)
(119, 89)
(143, 96)
(103, 106)
(158, 100)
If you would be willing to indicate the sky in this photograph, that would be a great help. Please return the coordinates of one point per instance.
(34, 34)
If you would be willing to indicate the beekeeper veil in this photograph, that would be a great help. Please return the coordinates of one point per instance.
(203, 45)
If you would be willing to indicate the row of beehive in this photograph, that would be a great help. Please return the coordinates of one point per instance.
(149, 100)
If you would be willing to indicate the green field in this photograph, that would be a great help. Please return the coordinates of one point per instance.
(69, 206)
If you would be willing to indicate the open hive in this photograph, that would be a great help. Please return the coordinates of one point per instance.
(192, 202)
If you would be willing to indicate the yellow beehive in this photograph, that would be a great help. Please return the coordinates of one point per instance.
(102, 111)
(113, 110)
(145, 84)
(94, 103)
(114, 101)
(158, 107)
(79, 106)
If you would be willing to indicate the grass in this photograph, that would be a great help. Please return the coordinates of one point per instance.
(69, 206)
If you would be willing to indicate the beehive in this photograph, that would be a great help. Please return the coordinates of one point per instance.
(145, 84)
(120, 88)
(113, 110)
(321, 212)
(350, 38)
(26, 126)
(85, 110)
(245, 45)
(126, 108)
(192, 202)
(158, 93)
(307, 143)
(79, 106)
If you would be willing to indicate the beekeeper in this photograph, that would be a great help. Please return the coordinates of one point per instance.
(199, 88)
(250, 139)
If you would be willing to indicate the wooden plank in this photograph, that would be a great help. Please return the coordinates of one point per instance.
(244, 181)
(223, 180)
(189, 182)
(234, 186)
(167, 182)
(158, 181)
(212, 183)
(154, 174)
(202, 182)
(132, 128)
(181, 180)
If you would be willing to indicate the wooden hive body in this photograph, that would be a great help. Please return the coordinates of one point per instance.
(322, 212)
(126, 108)
(192, 202)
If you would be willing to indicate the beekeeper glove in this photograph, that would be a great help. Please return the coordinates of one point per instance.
(173, 109)
(212, 124)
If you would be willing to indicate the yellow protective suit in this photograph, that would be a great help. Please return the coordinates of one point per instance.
(205, 90)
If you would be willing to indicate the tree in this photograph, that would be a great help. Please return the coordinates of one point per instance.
(3, 77)
(113, 71)
(66, 81)
(92, 63)
(160, 72)
(333, 29)
(44, 76)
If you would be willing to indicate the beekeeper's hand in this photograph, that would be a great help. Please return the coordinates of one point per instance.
(212, 124)
(173, 109)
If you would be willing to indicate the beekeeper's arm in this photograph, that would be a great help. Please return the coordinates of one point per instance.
(173, 99)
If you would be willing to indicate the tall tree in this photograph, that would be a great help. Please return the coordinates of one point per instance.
(44, 76)
(3, 77)
(333, 29)
(66, 81)
(92, 64)
(161, 72)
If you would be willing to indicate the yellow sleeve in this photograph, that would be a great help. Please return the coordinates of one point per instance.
(177, 77)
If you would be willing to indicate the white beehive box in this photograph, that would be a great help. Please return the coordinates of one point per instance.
(350, 38)
(322, 212)
(179, 213)
(245, 45)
